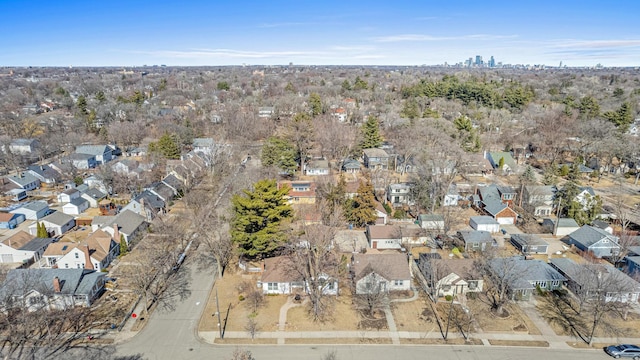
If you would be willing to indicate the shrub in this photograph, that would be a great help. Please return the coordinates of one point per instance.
(448, 298)
(240, 298)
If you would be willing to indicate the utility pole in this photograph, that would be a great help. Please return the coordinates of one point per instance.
(555, 227)
(218, 314)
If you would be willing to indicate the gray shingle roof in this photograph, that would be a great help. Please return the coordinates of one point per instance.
(36, 206)
(430, 217)
(584, 273)
(588, 235)
(58, 218)
(23, 180)
(92, 149)
(484, 220)
(95, 193)
(476, 236)
(41, 280)
(36, 244)
(78, 201)
(528, 239)
(127, 221)
(520, 273)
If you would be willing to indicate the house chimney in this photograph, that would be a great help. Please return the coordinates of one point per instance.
(87, 258)
(116, 233)
(143, 212)
(56, 284)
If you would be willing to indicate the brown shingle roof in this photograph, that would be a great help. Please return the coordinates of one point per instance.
(384, 232)
(279, 269)
(59, 248)
(18, 239)
(390, 266)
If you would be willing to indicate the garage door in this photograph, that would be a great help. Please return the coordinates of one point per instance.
(505, 220)
(6, 258)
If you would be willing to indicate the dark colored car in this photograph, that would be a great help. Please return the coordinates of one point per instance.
(623, 351)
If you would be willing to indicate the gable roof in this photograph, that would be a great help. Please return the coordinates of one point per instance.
(483, 220)
(391, 266)
(519, 273)
(172, 181)
(6, 217)
(45, 171)
(23, 180)
(384, 232)
(72, 281)
(508, 159)
(375, 153)
(36, 244)
(464, 268)
(92, 149)
(279, 269)
(476, 236)
(59, 248)
(95, 193)
(18, 240)
(128, 221)
(588, 235)
(430, 217)
(79, 201)
(583, 273)
(528, 239)
(58, 218)
(35, 206)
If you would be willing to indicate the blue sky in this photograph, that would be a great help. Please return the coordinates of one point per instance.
(128, 33)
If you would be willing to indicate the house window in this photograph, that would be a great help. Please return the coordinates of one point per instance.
(556, 283)
(36, 300)
(398, 282)
(66, 266)
(446, 287)
(297, 284)
(80, 266)
(272, 286)
(473, 285)
(605, 241)
(331, 285)
(77, 256)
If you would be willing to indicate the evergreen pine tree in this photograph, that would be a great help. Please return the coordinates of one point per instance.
(259, 216)
(124, 248)
(361, 210)
(371, 137)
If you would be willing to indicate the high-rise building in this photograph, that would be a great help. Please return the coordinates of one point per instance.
(492, 62)
(478, 60)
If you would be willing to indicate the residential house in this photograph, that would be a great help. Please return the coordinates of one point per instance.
(93, 196)
(452, 197)
(10, 221)
(375, 159)
(17, 194)
(449, 276)
(598, 281)
(538, 199)
(25, 181)
(68, 195)
(174, 183)
(339, 114)
(432, 222)
(280, 277)
(496, 201)
(301, 192)
(586, 197)
(475, 240)
(126, 223)
(524, 276)
(23, 146)
(317, 167)
(560, 227)
(45, 173)
(602, 225)
(204, 145)
(380, 273)
(351, 166)
(381, 214)
(56, 251)
(49, 289)
(400, 194)
(127, 167)
(633, 265)
(163, 191)
(266, 111)
(484, 223)
(56, 223)
(34, 210)
(384, 237)
(95, 253)
(22, 247)
(596, 241)
(147, 204)
(80, 161)
(94, 181)
(76, 206)
(529, 244)
(509, 164)
(102, 153)
(413, 234)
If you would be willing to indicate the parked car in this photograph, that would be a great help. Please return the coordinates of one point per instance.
(623, 351)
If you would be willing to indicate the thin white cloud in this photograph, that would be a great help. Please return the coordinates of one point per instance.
(596, 44)
(282, 24)
(229, 53)
(423, 37)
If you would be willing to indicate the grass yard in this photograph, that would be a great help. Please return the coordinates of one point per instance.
(343, 317)
(338, 341)
(516, 321)
(238, 311)
(429, 341)
(414, 316)
(530, 343)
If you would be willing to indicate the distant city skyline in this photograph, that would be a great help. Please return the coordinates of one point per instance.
(124, 33)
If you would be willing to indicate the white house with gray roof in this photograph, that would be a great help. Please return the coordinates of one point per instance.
(49, 289)
(25, 181)
(102, 153)
(529, 244)
(484, 223)
(34, 210)
(93, 196)
(56, 223)
(45, 173)
(475, 240)
(129, 225)
(76, 206)
(524, 276)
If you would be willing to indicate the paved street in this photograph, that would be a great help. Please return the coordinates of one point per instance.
(171, 335)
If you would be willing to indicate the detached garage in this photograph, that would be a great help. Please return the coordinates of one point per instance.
(484, 223)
